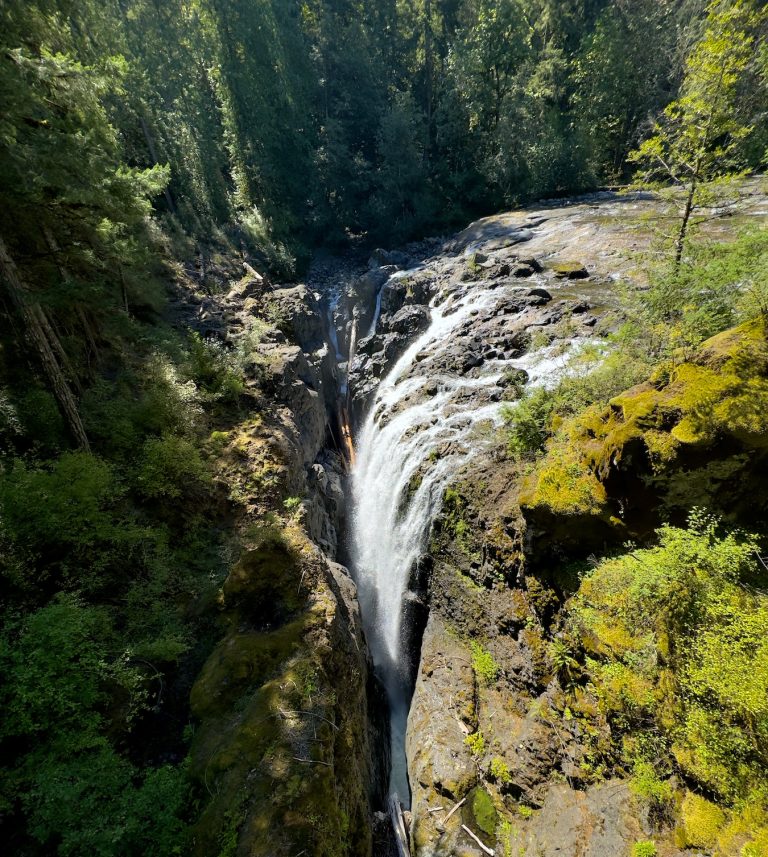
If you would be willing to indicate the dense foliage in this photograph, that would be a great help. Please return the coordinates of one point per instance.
(285, 123)
(137, 136)
(676, 654)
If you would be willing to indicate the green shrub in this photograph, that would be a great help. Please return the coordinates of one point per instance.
(486, 669)
(646, 848)
(528, 422)
(679, 653)
(169, 467)
(59, 670)
(214, 369)
(63, 520)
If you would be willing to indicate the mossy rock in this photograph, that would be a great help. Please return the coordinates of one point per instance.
(263, 588)
(570, 271)
(480, 815)
(695, 434)
(700, 822)
(239, 662)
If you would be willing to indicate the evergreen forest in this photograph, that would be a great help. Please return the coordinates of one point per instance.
(162, 640)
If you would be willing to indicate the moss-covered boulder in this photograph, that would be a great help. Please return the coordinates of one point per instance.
(570, 271)
(480, 815)
(281, 749)
(696, 433)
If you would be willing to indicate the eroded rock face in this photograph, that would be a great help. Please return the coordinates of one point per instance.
(282, 739)
(283, 746)
(599, 822)
(442, 714)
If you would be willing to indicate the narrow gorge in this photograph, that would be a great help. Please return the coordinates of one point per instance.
(433, 345)
(384, 428)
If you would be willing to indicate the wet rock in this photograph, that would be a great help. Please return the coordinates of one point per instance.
(531, 262)
(513, 378)
(542, 295)
(524, 271)
(409, 321)
(570, 271)
(363, 294)
(471, 361)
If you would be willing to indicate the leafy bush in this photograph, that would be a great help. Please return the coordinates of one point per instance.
(214, 369)
(485, 667)
(64, 519)
(647, 783)
(528, 422)
(170, 467)
(716, 286)
(646, 848)
(676, 635)
(60, 669)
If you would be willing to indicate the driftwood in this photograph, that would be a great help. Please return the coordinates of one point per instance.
(253, 272)
(398, 826)
(485, 848)
(457, 806)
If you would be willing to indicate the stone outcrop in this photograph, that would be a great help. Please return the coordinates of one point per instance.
(490, 720)
(284, 748)
(692, 435)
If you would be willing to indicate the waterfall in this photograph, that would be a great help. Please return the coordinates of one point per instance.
(423, 424)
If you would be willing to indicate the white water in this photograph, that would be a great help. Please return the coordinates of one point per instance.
(397, 442)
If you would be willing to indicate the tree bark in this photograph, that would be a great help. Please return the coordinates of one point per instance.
(683, 231)
(36, 324)
(53, 246)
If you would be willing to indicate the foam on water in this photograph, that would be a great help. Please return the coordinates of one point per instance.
(390, 524)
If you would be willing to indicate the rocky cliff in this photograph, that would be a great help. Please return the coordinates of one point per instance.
(500, 756)
(283, 747)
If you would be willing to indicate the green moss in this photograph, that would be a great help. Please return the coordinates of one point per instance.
(646, 848)
(476, 743)
(239, 662)
(569, 270)
(479, 813)
(499, 770)
(564, 485)
(722, 392)
(700, 822)
(485, 667)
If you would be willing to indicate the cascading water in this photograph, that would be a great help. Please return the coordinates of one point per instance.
(399, 479)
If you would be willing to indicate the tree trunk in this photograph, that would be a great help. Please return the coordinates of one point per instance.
(680, 242)
(36, 324)
(53, 246)
(429, 71)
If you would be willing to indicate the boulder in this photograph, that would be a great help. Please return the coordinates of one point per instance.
(570, 271)
(542, 296)
(381, 257)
